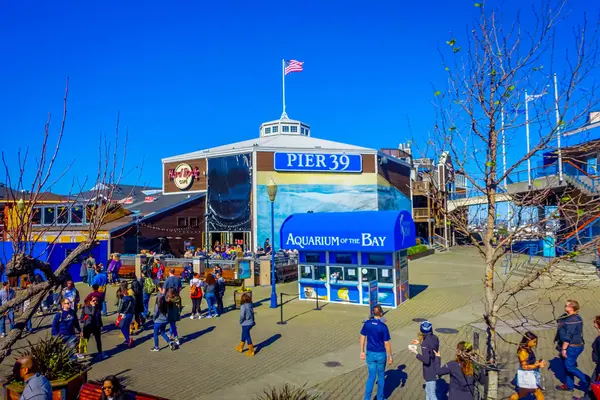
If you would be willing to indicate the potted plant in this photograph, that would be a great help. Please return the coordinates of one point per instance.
(57, 362)
(237, 294)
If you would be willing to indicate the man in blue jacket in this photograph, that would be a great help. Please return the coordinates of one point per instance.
(569, 338)
(66, 324)
(429, 345)
(376, 336)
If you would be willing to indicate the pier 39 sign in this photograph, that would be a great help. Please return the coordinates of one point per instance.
(318, 162)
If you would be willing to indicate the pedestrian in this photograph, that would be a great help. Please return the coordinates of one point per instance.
(148, 289)
(210, 293)
(246, 322)
(138, 297)
(173, 315)
(37, 386)
(90, 264)
(569, 338)
(101, 279)
(528, 375)
(83, 272)
(113, 390)
(220, 293)
(114, 267)
(376, 336)
(6, 294)
(596, 350)
(462, 372)
(92, 325)
(126, 312)
(196, 296)
(173, 282)
(71, 293)
(429, 344)
(161, 319)
(66, 324)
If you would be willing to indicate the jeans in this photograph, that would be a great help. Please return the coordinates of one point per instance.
(124, 326)
(571, 368)
(376, 366)
(159, 329)
(246, 334)
(211, 299)
(11, 321)
(146, 301)
(173, 329)
(430, 387)
(90, 276)
(220, 302)
(71, 340)
(104, 309)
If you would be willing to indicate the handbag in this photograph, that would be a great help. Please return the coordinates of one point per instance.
(527, 379)
(118, 321)
(82, 345)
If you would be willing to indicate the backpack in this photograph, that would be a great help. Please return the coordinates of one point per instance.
(149, 286)
(195, 291)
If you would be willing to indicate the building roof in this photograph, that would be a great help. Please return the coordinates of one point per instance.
(289, 142)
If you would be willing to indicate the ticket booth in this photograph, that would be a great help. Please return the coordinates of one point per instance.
(340, 253)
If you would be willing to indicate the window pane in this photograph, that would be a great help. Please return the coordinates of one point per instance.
(49, 215)
(351, 274)
(275, 129)
(369, 274)
(306, 271)
(313, 257)
(77, 215)
(294, 129)
(336, 274)
(36, 216)
(267, 130)
(320, 272)
(285, 128)
(62, 216)
(385, 275)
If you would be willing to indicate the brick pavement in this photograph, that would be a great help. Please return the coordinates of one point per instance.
(208, 366)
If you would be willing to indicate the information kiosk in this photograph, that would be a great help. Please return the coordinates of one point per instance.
(341, 253)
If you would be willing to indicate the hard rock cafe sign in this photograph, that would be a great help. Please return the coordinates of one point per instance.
(183, 175)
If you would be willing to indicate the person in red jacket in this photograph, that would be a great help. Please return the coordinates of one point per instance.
(196, 295)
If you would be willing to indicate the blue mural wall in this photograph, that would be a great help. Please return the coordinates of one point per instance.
(389, 198)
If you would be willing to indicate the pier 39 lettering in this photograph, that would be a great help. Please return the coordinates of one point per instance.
(318, 162)
(366, 240)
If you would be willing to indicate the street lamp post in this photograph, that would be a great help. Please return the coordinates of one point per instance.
(272, 191)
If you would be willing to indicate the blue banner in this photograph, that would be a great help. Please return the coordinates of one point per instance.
(373, 295)
(318, 162)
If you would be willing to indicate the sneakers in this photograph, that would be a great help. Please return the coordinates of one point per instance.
(172, 345)
(564, 388)
(3, 335)
(192, 316)
(130, 343)
(102, 356)
(208, 316)
(80, 356)
(155, 349)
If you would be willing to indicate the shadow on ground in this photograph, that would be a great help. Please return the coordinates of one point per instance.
(415, 290)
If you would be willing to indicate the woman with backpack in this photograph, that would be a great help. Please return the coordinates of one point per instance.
(138, 319)
(196, 296)
(126, 312)
(161, 319)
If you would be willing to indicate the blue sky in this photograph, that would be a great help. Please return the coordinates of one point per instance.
(191, 75)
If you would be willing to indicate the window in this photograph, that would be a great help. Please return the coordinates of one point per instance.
(49, 215)
(301, 131)
(336, 274)
(376, 259)
(267, 130)
(275, 129)
(351, 274)
(341, 258)
(368, 274)
(313, 257)
(294, 129)
(181, 222)
(194, 222)
(62, 215)
(320, 272)
(386, 275)
(306, 271)
(36, 216)
(77, 214)
(285, 128)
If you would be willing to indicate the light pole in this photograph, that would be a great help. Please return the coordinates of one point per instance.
(272, 191)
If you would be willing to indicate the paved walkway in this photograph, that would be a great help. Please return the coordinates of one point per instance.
(316, 348)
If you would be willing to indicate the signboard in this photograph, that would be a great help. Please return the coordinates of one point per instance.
(183, 175)
(373, 296)
(318, 162)
(244, 270)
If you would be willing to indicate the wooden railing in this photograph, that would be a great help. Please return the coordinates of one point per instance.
(420, 186)
(421, 212)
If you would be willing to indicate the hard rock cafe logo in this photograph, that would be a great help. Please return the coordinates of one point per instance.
(183, 176)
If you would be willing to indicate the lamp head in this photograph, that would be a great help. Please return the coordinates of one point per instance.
(272, 189)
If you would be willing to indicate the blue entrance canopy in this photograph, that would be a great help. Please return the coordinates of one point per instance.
(368, 231)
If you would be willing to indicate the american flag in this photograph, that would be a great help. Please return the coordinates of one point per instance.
(293, 66)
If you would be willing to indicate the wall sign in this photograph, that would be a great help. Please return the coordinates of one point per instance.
(366, 241)
(318, 162)
(183, 175)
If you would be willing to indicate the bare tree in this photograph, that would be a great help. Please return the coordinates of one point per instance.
(22, 228)
(500, 67)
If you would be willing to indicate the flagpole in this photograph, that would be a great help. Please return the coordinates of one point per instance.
(560, 166)
(527, 135)
(283, 115)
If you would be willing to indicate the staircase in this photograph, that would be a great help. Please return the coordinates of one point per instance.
(565, 273)
(439, 243)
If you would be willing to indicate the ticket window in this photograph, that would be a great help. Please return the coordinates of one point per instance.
(385, 275)
(313, 272)
(368, 274)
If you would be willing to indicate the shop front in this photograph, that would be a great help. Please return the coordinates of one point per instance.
(340, 254)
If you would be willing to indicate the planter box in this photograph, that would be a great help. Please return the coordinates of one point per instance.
(421, 254)
(237, 297)
(61, 389)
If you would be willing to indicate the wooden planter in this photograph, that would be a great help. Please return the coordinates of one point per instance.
(61, 389)
(237, 297)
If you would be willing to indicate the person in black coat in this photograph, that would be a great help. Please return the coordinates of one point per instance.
(138, 297)
(91, 320)
(429, 344)
(596, 350)
(462, 373)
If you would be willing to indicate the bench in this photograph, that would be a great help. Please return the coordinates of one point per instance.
(93, 390)
(228, 275)
(127, 271)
